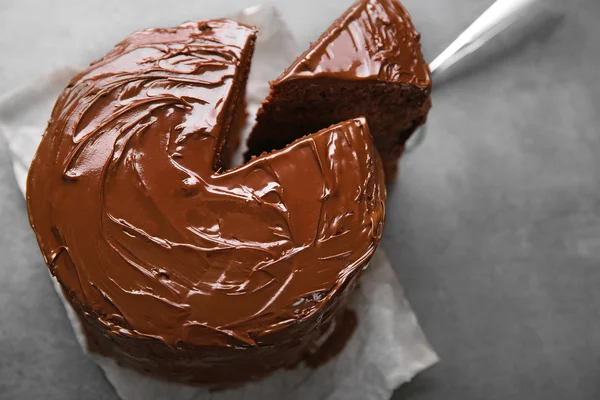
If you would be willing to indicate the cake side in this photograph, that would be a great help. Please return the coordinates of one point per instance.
(298, 107)
(177, 267)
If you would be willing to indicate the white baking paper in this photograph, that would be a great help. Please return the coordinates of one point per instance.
(387, 349)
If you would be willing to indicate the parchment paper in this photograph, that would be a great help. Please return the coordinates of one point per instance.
(387, 349)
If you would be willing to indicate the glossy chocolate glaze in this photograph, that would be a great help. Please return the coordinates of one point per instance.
(373, 40)
(182, 269)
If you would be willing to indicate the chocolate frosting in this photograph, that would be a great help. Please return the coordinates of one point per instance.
(153, 240)
(373, 40)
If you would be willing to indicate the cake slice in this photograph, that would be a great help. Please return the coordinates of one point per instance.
(368, 63)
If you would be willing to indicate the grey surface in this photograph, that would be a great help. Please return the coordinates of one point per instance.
(493, 227)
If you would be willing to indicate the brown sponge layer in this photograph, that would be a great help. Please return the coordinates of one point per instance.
(300, 107)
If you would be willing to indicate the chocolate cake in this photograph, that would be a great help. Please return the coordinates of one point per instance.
(368, 63)
(176, 265)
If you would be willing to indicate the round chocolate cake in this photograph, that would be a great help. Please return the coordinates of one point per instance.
(177, 265)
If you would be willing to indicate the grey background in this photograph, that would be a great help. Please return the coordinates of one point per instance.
(493, 227)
